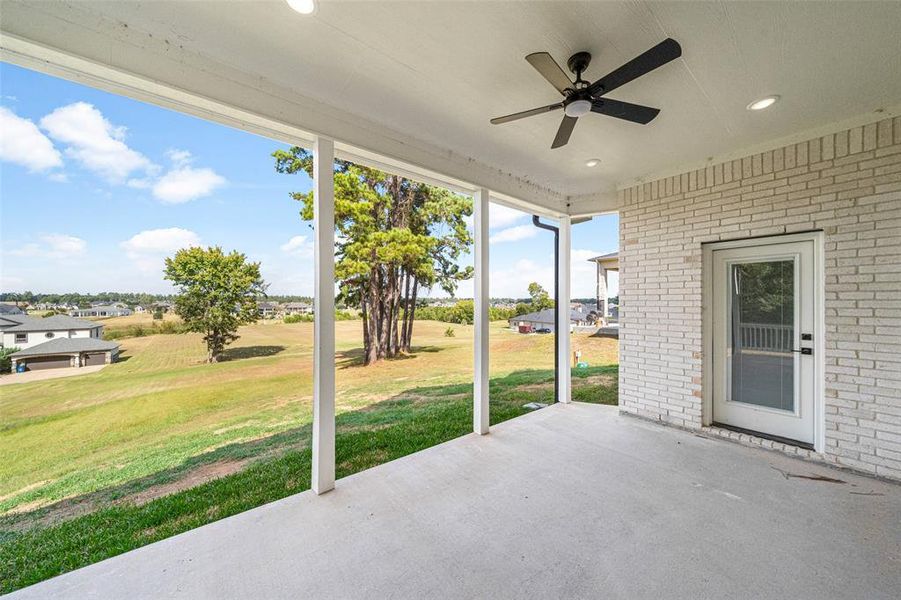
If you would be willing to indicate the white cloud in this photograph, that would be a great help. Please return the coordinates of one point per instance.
(11, 282)
(513, 234)
(22, 143)
(185, 184)
(94, 142)
(147, 249)
(179, 158)
(140, 183)
(513, 282)
(298, 246)
(502, 216)
(52, 245)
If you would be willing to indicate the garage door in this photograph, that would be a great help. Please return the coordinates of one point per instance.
(98, 358)
(46, 362)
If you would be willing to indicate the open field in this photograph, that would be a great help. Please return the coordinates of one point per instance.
(160, 443)
(162, 406)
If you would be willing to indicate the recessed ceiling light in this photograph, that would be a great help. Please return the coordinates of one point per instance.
(592, 162)
(763, 103)
(304, 7)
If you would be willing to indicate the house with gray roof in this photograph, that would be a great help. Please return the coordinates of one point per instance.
(56, 341)
(268, 310)
(10, 309)
(101, 310)
(298, 308)
(544, 319)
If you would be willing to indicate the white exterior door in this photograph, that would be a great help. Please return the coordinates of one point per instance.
(764, 323)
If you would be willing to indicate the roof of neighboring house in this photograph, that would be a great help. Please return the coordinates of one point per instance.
(547, 316)
(267, 305)
(67, 346)
(23, 323)
(103, 307)
(297, 305)
(609, 256)
(10, 309)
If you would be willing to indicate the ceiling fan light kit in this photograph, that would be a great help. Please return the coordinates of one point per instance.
(577, 108)
(581, 97)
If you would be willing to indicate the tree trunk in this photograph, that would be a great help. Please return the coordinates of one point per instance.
(408, 334)
(371, 340)
(364, 312)
(404, 343)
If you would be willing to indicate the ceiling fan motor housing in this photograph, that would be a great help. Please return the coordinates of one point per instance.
(578, 62)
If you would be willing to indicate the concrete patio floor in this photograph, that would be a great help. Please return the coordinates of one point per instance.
(568, 502)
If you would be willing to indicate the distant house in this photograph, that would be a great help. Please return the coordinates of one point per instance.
(140, 309)
(605, 263)
(102, 304)
(544, 319)
(10, 309)
(55, 342)
(268, 310)
(298, 308)
(163, 305)
(101, 310)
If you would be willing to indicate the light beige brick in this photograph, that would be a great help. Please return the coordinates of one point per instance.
(847, 184)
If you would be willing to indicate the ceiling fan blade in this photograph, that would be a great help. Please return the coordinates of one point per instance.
(550, 70)
(667, 50)
(566, 129)
(625, 110)
(526, 113)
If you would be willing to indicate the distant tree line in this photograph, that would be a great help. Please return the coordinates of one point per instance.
(129, 298)
(462, 312)
(85, 300)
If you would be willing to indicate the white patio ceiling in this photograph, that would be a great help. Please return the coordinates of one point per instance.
(418, 81)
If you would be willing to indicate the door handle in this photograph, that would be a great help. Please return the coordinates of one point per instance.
(807, 351)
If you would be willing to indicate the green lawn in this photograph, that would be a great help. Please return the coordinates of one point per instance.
(88, 459)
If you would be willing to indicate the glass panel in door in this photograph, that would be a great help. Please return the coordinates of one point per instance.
(762, 366)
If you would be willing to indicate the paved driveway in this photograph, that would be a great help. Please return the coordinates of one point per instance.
(30, 376)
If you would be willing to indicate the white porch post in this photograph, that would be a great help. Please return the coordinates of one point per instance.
(602, 290)
(480, 315)
(324, 316)
(563, 267)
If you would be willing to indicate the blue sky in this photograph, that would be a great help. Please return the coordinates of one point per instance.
(96, 189)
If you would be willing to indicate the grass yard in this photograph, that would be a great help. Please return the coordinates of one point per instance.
(159, 443)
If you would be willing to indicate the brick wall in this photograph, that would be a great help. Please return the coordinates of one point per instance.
(847, 184)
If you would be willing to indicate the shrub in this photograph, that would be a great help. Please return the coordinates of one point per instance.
(6, 362)
(298, 319)
(449, 332)
(340, 315)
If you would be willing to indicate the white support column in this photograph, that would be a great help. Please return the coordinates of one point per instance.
(324, 316)
(480, 313)
(602, 290)
(564, 383)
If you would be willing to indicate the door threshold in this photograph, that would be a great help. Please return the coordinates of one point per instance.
(766, 436)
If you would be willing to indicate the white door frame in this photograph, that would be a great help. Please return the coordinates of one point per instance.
(819, 345)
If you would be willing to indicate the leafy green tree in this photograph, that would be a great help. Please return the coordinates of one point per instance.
(218, 292)
(6, 360)
(540, 297)
(396, 236)
(522, 308)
